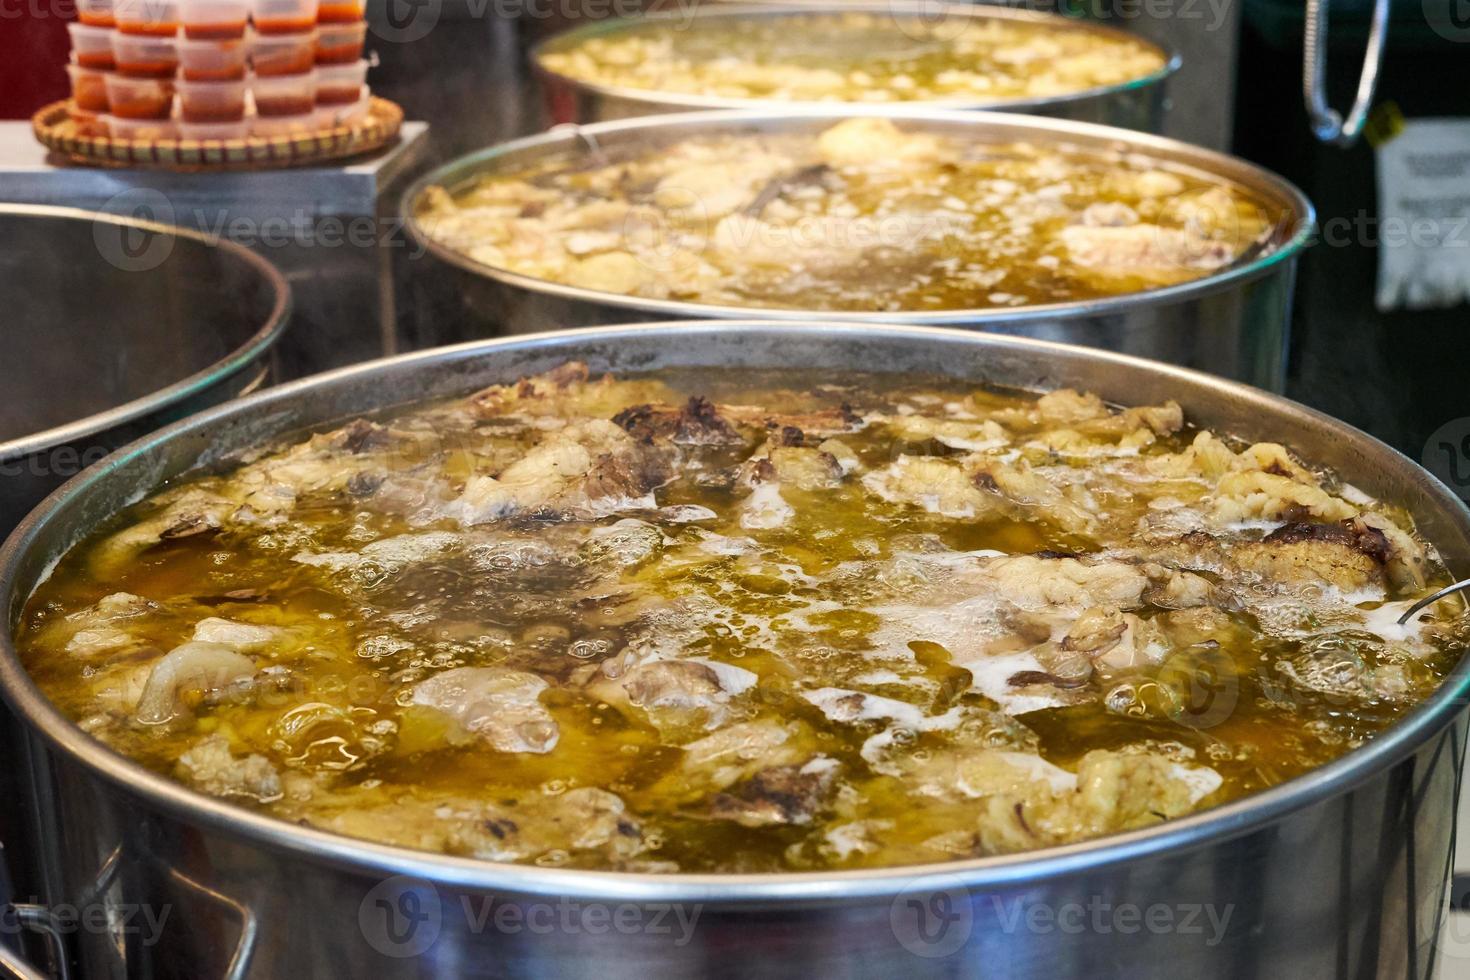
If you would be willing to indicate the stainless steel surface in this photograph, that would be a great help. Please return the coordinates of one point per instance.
(1139, 104)
(1233, 323)
(1341, 872)
(330, 230)
(29, 175)
(1328, 125)
(115, 327)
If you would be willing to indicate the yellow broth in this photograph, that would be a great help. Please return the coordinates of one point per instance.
(1109, 619)
(861, 57)
(864, 216)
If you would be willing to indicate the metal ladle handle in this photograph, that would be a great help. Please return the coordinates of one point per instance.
(1327, 125)
(1431, 599)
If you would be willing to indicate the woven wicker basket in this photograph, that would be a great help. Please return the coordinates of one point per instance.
(55, 128)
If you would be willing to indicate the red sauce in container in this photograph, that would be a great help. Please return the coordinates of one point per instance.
(157, 68)
(148, 28)
(213, 113)
(143, 106)
(294, 61)
(102, 18)
(90, 94)
(283, 105)
(338, 54)
(234, 74)
(284, 25)
(101, 60)
(337, 94)
(338, 13)
(215, 32)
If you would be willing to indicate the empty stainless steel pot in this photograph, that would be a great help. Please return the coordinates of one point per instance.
(114, 327)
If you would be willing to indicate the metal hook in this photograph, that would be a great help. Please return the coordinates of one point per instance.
(1430, 600)
(1327, 124)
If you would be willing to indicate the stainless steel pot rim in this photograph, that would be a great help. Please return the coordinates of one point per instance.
(1198, 830)
(894, 8)
(244, 355)
(1239, 171)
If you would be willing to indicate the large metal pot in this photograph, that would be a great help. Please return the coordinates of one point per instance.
(1340, 872)
(1139, 104)
(1233, 323)
(115, 328)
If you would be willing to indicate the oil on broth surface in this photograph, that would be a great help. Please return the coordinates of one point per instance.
(861, 57)
(863, 216)
(737, 621)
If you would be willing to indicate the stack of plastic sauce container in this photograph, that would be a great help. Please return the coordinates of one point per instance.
(341, 89)
(283, 57)
(211, 82)
(217, 69)
(145, 53)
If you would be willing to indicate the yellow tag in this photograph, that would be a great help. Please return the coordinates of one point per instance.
(1384, 123)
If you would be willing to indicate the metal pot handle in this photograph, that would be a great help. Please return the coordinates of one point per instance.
(39, 919)
(239, 965)
(13, 964)
(1327, 125)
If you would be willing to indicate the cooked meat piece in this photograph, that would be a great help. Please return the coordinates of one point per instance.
(498, 705)
(1404, 557)
(1371, 543)
(1121, 790)
(585, 819)
(802, 467)
(566, 392)
(1172, 588)
(698, 423)
(939, 486)
(779, 795)
(244, 637)
(1202, 625)
(717, 187)
(736, 752)
(1031, 495)
(856, 706)
(1068, 406)
(188, 674)
(1065, 584)
(671, 693)
(97, 630)
(1022, 801)
(589, 468)
(1121, 432)
(1153, 253)
(327, 463)
(764, 508)
(187, 511)
(1308, 554)
(359, 436)
(387, 554)
(827, 422)
(969, 434)
(1253, 495)
(1342, 668)
(673, 684)
(1116, 640)
(209, 765)
(627, 543)
(869, 141)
